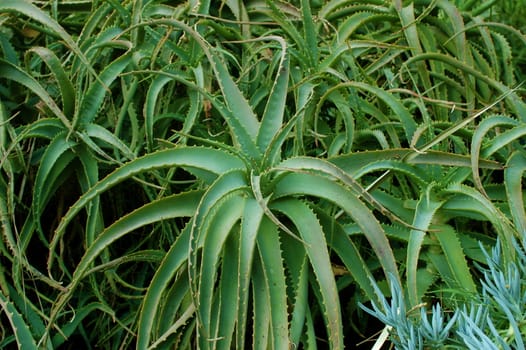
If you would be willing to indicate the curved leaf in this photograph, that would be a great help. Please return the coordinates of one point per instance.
(314, 185)
(12, 72)
(312, 234)
(424, 214)
(93, 98)
(67, 91)
(23, 335)
(209, 160)
(181, 205)
(513, 175)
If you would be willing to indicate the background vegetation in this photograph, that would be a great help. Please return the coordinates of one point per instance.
(262, 174)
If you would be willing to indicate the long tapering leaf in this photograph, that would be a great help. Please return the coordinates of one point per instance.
(92, 100)
(514, 101)
(272, 119)
(312, 234)
(167, 269)
(474, 201)
(340, 242)
(57, 156)
(21, 330)
(67, 91)
(208, 160)
(399, 110)
(455, 258)
(479, 136)
(353, 163)
(215, 231)
(424, 214)
(12, 72)
(250, 228)
(33, 12)
(269, 247)
(260, 291)
(321, 187)
(236, 111)
(513, 175)
(181, 205)
(225, 185)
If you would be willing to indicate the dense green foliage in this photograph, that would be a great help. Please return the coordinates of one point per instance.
(246, 174)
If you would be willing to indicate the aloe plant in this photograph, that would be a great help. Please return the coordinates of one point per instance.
(285, 159)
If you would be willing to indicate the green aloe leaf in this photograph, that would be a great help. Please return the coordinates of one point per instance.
(165, 272)
(455, 258)
(181, 205)
(353, 163)
(425, 211)
(513, 100)
(215, 231)
(15, 73)
(479, 136)
(56, 158)
(274, 299)
(22, 332)
(320, 186)
(250, 228)
(272, 120)
(470, 200)
(312, 234)
(67, 91)
(208, 160)
(95, 131)
(33, 12)
(513, 174)
(236, 110)
(93, 98)
(261, 310)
